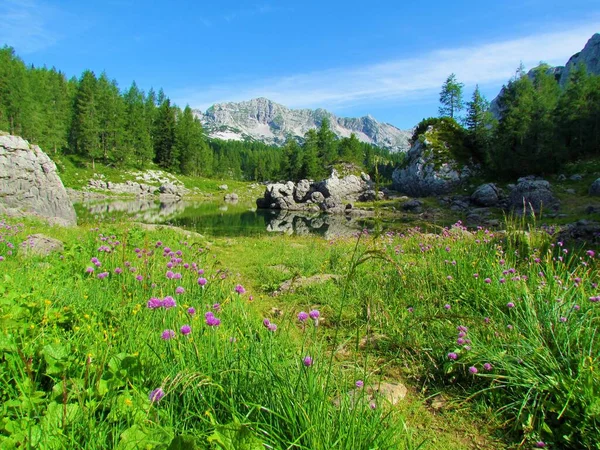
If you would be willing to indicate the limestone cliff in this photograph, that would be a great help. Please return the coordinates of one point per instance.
(29, 183)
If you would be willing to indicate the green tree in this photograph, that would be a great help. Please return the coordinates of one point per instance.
(350, 149)
(451, 97)
(292, 160)
(164, 136)
(111, 120)
(479, 122)
(138, 140)
(310, 163)
(86, 126)
(189, 143)
(326, 143)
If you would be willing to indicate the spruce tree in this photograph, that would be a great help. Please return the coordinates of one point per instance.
(86, 126)
(479, 126)
(451, 97)
(138, 141)
(164, 136)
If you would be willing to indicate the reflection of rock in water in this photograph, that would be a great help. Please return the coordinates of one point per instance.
(142, 209)
(329, 226)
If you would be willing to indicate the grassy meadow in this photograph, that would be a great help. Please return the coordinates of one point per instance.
(135, 338)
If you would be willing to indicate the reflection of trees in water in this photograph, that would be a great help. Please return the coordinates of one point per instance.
(226, 220)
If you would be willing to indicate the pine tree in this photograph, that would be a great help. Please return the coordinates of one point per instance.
(293, 160)
(310, 164)
(350, 149)
(164, 136)
(479, 125)
(86, 126)
(189, 142)
(451, 97)
(137, 139)
(326, 143)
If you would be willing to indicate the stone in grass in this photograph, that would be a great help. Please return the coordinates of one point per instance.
(381, 394)
(595, 188)
(300, 282)
(41, 245)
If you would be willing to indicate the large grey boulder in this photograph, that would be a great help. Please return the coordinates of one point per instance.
(532, 194)
(29, 183)
(595, 188)
(41, 245)
(347, 188)
(425, 175)
(486, 195)
(328, 195)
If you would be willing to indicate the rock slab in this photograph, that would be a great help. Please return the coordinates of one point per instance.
(30, 184)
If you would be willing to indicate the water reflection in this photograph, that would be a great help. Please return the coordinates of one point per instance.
(220, 219)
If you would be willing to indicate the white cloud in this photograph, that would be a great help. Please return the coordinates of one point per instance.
(25, 25)
(491, 63)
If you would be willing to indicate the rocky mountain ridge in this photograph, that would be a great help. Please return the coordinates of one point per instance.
(589, 56)
(263, 120)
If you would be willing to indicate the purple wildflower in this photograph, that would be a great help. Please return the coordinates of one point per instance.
(185, 330)
(156, 395)
(510, 305)
(308, 361)
(168, 302)
(488, 280)
(139, 277)
(272, 327)
(154, 303)
(89, 270)
(540, 444)
(473, 370)
(266, 322)
(202, 281)
(447, 306)
(302, 316)
(212, 321)
(563, 319)
(359, 383)
(191, 310)
(453, 356)
(240, 289)
(487, 366)
(167, 334)
(314, 314)
(179, 290)
(118, 270)
(102, 275)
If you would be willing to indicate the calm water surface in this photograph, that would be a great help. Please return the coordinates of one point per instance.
(226, 219)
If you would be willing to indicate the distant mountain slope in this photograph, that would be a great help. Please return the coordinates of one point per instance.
(589, 56)
(262, 120)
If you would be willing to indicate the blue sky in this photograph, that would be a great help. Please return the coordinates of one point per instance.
(384, 58)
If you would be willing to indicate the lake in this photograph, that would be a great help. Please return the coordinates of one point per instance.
(228, 219)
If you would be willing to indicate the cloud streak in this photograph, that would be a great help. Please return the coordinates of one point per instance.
(25, 25)
(401, 80)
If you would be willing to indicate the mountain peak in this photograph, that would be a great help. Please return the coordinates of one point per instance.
(264, 120)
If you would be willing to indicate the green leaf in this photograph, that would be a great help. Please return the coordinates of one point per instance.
(235, 436)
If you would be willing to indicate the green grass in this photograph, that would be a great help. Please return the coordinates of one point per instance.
(82, 354)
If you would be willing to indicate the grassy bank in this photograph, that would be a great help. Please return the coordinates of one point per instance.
(485, 329)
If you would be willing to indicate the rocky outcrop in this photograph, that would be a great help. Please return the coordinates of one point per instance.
(166, 190)
(532, 193)
(269, 122)
(329, 195)
(427, 172)
(486, 195)
(29, 183)
(589, 56)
